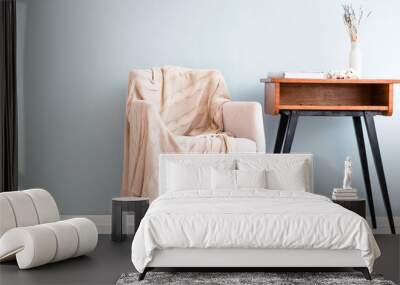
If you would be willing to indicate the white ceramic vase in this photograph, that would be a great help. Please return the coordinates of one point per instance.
(355, 58)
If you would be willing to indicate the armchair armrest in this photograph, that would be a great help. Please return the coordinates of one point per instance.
(245, 120)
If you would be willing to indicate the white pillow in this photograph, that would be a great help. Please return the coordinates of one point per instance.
(223, 179)
(282, 174)
(251, 178)
(292, 178)
(188, 177)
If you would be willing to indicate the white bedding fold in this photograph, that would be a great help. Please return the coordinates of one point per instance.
(252, 218)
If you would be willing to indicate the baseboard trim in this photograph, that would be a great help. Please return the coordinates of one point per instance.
(382, 225)
(103, 223)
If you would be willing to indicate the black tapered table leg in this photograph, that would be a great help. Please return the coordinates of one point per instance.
(280, 136)
(373, 140)
(291, 129)
(364, 165)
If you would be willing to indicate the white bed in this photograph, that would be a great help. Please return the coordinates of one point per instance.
(248, 227)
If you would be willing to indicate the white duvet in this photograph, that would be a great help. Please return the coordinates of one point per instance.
(252, 218)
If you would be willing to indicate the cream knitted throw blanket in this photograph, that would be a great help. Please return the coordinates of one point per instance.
(170, 110)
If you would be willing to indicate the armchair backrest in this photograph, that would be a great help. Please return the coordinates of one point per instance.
(26, 208)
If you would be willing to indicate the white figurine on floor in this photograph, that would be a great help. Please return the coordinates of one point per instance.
(347, 174)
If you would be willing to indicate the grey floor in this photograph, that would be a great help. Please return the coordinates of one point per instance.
(110, 260)
(103, 266)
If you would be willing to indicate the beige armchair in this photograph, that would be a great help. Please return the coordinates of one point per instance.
(179, 110)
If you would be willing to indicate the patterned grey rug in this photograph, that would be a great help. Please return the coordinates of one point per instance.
(269, 278)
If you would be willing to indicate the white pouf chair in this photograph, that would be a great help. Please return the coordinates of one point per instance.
(31, 230)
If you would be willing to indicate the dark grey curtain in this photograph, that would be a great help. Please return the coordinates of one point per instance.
(8, 99)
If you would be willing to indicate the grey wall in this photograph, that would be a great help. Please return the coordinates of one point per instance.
(75, 57)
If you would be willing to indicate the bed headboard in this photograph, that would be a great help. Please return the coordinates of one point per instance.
(231, 161)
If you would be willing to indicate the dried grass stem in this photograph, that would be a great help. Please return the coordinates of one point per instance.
(352, 20)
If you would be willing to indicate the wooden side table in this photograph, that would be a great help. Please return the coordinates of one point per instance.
(356, 206)
(138, 205)
(356, 98)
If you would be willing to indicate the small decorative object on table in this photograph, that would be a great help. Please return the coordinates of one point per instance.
(347, 192)
(352, 21)
(343, 74)
(299, 74)
(348, 174)
(138, 205)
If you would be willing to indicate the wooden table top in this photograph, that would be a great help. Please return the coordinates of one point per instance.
(330, 81)
(366, 94)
